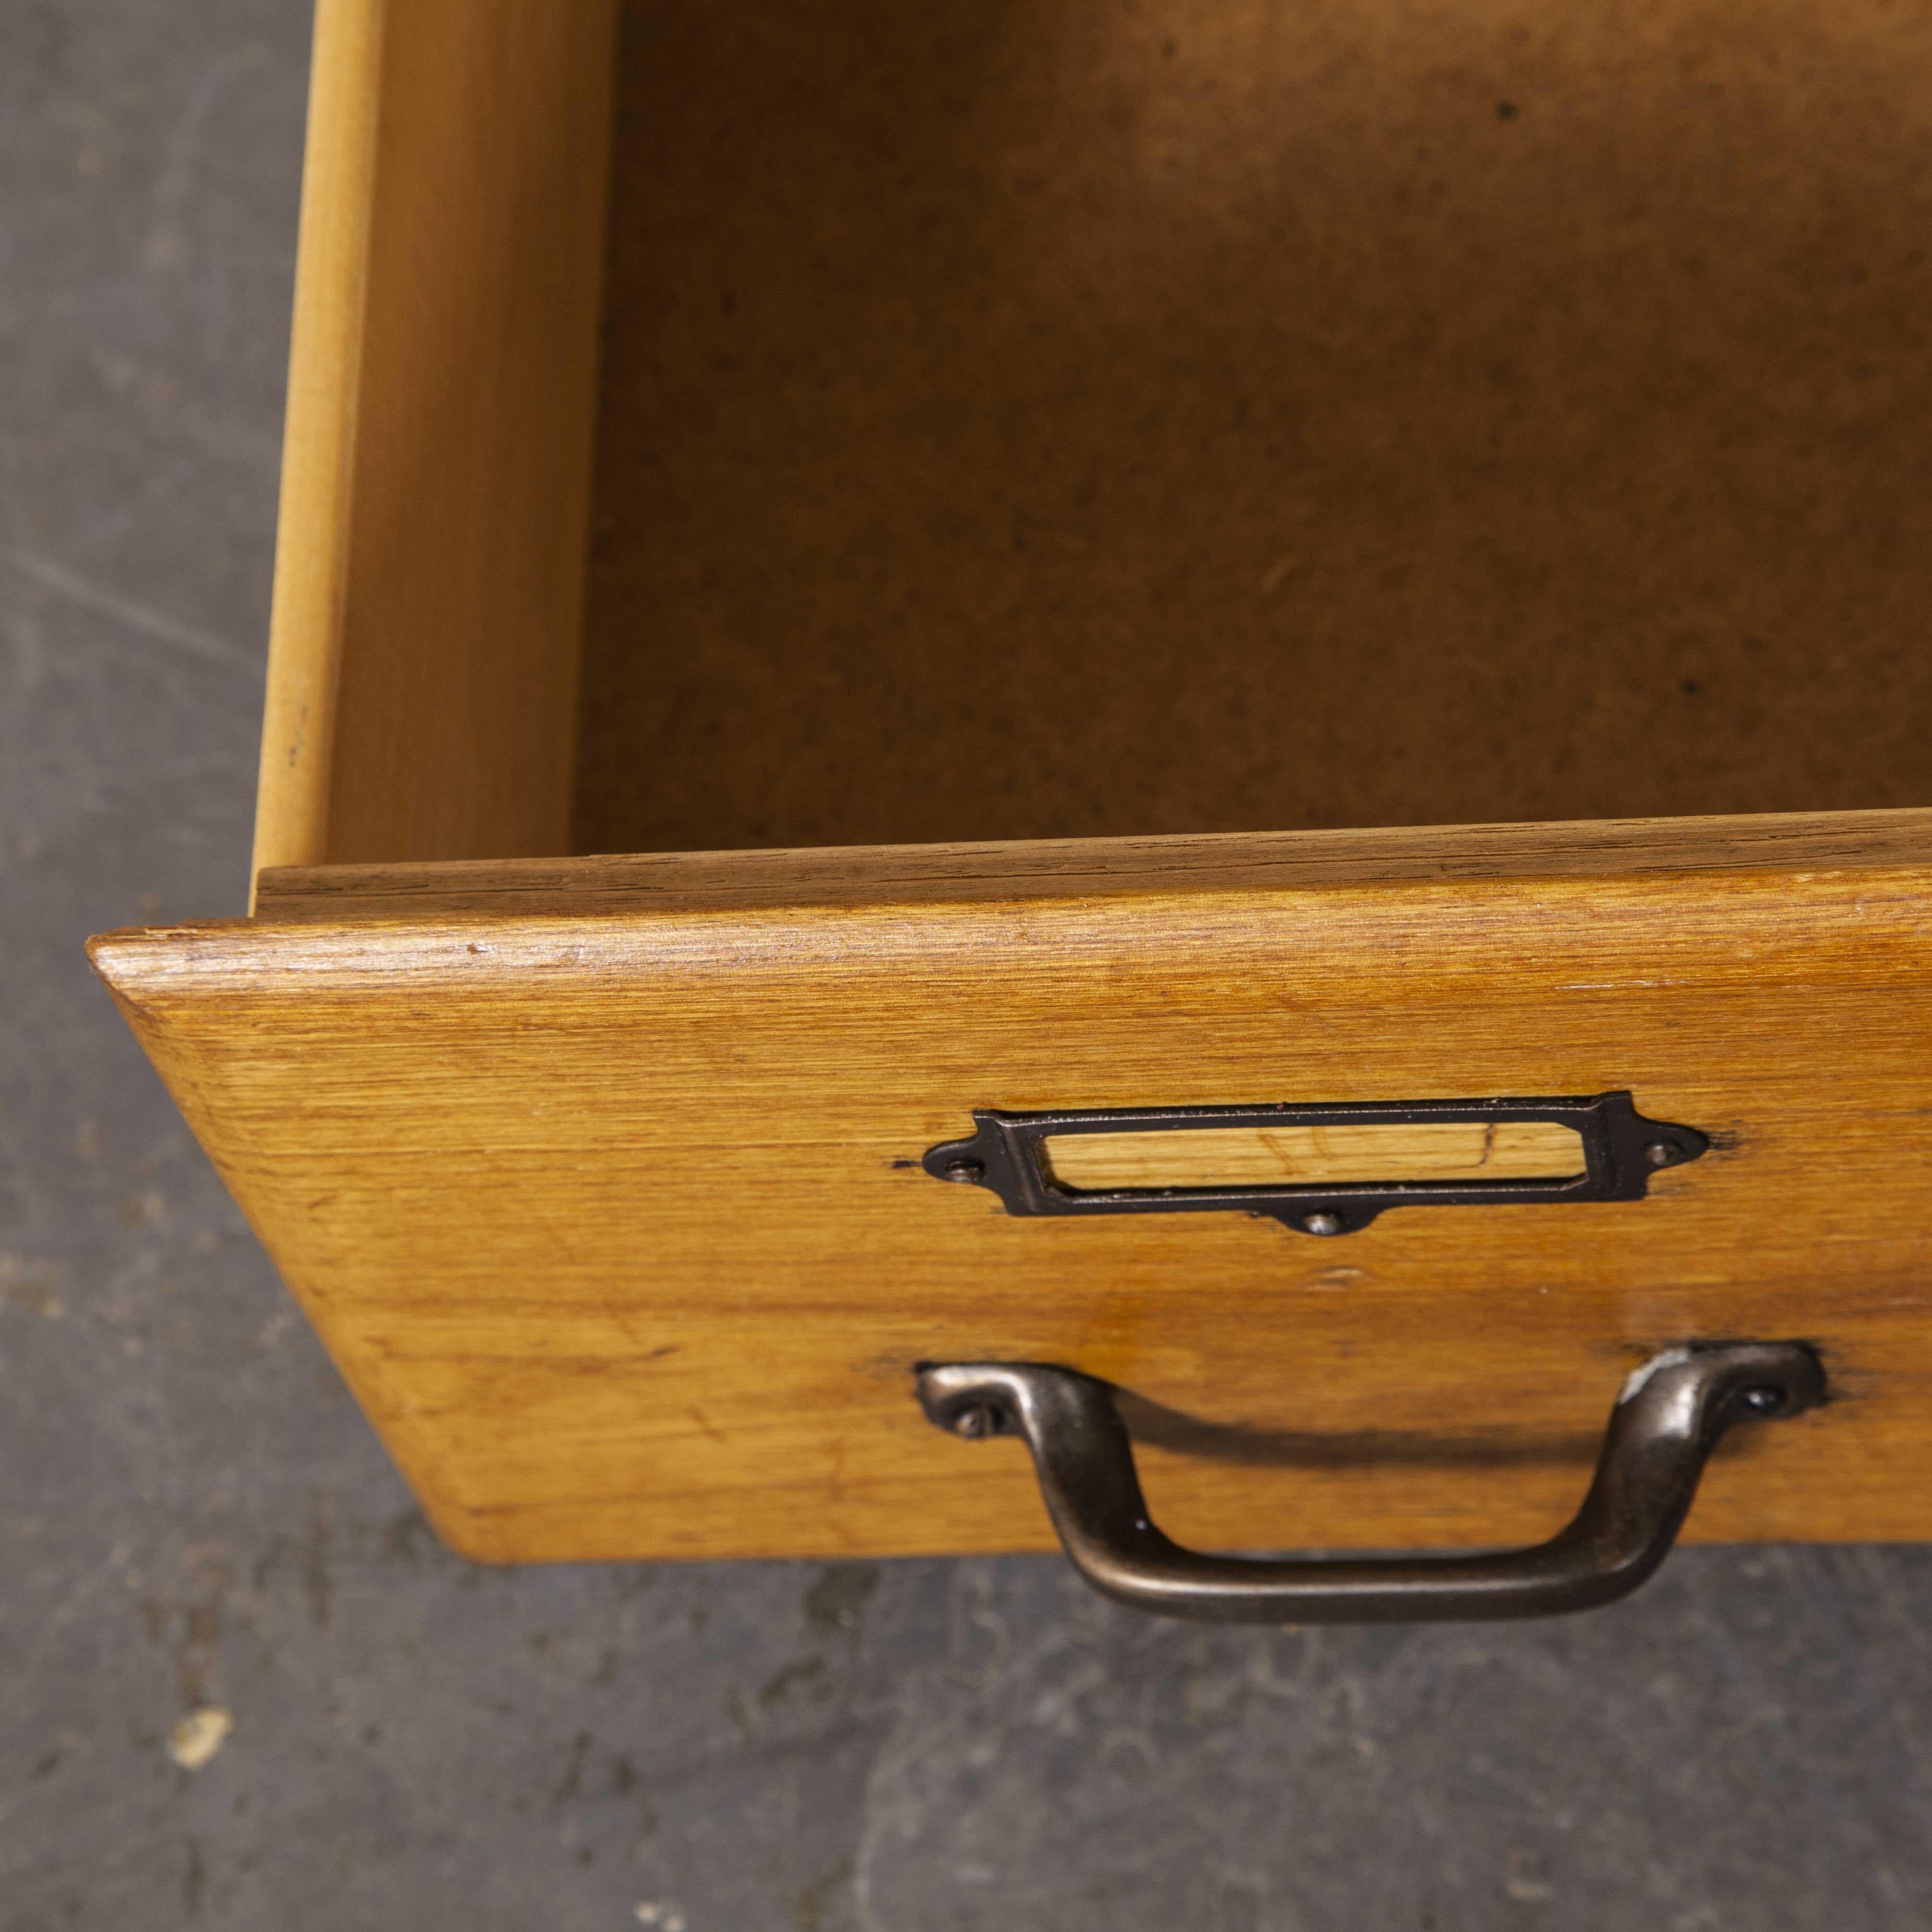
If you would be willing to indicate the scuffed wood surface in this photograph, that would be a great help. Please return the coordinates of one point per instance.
(615, 1225)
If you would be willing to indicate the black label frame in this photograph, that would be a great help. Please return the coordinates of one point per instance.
(1621, 1150)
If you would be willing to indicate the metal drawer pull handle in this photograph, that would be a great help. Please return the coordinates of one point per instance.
(1668, 1419)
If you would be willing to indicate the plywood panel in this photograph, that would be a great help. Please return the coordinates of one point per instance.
(615, 1222)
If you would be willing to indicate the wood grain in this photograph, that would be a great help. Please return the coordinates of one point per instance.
(312, 547)
(1260, 1156)
(1087, 868)
(615, 1224)
(430, 558)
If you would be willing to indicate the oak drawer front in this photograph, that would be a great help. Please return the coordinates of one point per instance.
(618, 1228)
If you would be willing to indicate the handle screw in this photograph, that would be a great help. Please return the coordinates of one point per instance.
(1660, 1153)
(1322, 1224)
(1764, 1400)
(981, 1420)
(964, 1170)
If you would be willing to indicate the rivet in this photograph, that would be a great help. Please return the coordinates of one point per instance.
(981, 1420)
(1322, 1224)
(964, 1170)
(1660, 1153)
(1764, 1400)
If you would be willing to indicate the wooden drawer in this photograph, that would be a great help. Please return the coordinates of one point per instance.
(1027, 452)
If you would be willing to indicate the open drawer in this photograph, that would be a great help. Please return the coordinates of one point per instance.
(938, 482)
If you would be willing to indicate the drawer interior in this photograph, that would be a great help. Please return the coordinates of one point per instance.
(1094, 419)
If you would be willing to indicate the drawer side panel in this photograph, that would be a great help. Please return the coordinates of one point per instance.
(422, 687)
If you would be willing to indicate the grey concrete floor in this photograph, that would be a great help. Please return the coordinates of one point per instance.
(194, 1514)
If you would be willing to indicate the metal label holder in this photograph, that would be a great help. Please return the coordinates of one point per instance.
(1622, 1149)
